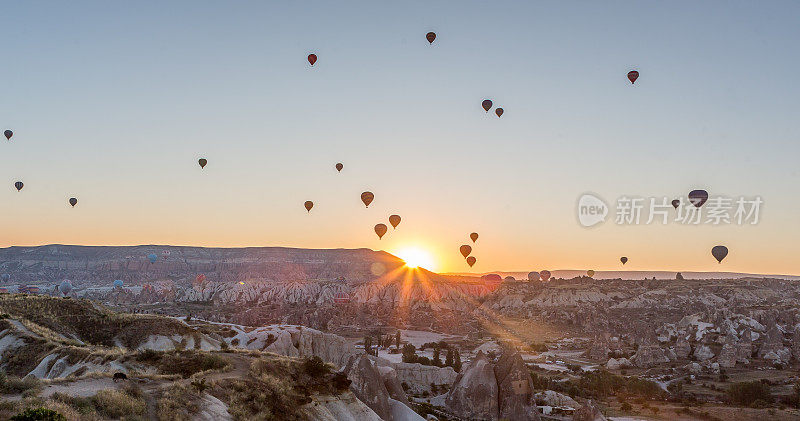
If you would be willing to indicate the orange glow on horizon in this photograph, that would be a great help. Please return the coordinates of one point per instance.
(416, 257)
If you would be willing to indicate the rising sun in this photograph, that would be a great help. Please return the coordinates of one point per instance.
(416, 257)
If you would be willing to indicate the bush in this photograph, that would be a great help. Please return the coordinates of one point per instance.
(314, 366)
(748, 393)
(38, 414)
(115, 404)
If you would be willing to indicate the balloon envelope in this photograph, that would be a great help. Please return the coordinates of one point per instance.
(8, 134)
(312, 58)
(545, 274)
(430, 36)
(18, 185)
(533, 276)
(676, 203)
(623, 259)
(339, 166)
(380, 229)
(499, 112)
(719, 252)
(590, 273)
(65, 287)
(73, 201)
(394, 220)
(152, 257)
(698, 197)
(465, 250)
(202, 162)
(471, 260)
(474, 237)
(308, 205)
(118, 283)
(486, 104)
(367, 197)
(633, 75)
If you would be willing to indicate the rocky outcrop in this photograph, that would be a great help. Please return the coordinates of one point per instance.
(553, 398)
(343, 407)
(589, 411)
(515, 388)
(599, 349)
(617, 364)
(727, 356)
(474, 394)
(419, 377)
(703, 353)
(367, 384)
(773, 349)
(649, 354)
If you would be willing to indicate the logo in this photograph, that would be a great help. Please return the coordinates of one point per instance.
(591, 210)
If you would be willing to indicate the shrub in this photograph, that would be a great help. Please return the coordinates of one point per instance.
(115, 404)
(38, 414)
(747, 393)
(314, 366)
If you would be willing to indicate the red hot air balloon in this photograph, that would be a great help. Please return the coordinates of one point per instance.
(499, 112)
(471, 260)
(202, 162)
(430, 36)
(623, 259)
(487, 104)
(312, 58)
(719, 252)
(8, 134)
(545, 274)
(394, 220)
(367, 197)
(73, 201)
(465, 250)
(18, 185)
(339, 166)
(474, 237)
(632, 76)
(380, 229)
(698, 197)
(309, 204)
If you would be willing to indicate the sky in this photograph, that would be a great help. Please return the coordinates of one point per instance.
(113, 103)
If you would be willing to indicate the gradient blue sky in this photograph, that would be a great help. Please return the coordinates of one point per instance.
(114, 103)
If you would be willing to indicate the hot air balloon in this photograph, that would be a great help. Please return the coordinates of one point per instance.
(676, 203)
(118, 283)
(394, 220)
(633, 75)
(73, 201)
(200, 278)
(380, 229)
(309, 204)
(698, 197)
(152, 257)
(367, 197)
(65, 287)
(474, 237)
(339, 166)
(312, 58)
(533, 276)
(590, 273)
(165, 254)
(499, 112)
(8, 134)
(545, 274)
(719, 252)
(465, 250)
(471, 260)
(202, 162)
(623, 259)
(18, 185)
(430, 36)
(487, 104)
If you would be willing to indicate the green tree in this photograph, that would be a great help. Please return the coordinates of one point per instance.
(368, 345)
(747, 393)
(448, 360)
(397, 340)
(437, 360)
(409, 353)
(457, 361)
(38, 414)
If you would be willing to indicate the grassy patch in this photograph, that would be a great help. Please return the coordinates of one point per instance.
(183, 363)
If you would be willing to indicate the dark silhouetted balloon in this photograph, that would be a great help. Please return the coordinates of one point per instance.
(367, 197)
(545, 274)
(202, 162)
(698, 197)
(152, 257)
(486, 104)
(474, 237)
(430, 36)
(623, 259)
(633, 75)
(465, 250)
(590, 273)
(18, 185)
(676, 203)
(380, 229)
(339, 166)
(394, 220)
(719, 252)
(73, 201)
(312, 58)
(8, 134)
(499, 112)
(65, 287)
(309, 204)
(471, 260)
(533, 276)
